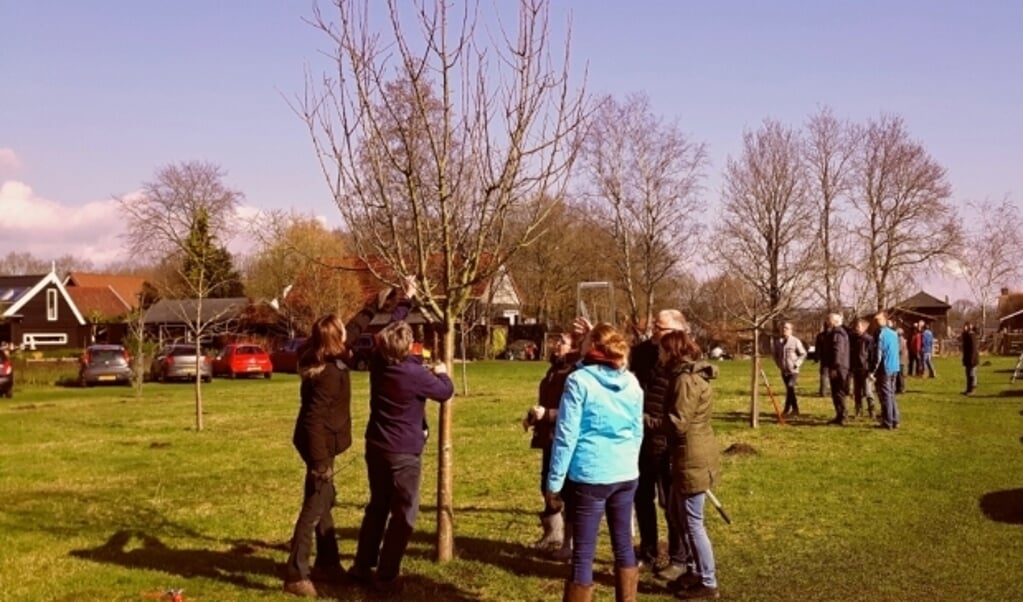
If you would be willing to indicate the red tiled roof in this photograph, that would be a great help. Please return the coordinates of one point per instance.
(127, 288)
(97, 302)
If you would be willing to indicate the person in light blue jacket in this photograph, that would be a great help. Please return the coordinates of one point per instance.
(595, 459)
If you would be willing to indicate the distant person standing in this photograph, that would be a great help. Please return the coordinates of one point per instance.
(818, 345)
(971, 357)
(885, 371)
(835, 359)
(927, 351)
(915, 347)
(862, 351)
(789, 354)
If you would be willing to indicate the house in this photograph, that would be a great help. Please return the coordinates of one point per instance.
(222, 319)
(127, 289)
(922, 307)
(36, 312)
(1009, 340)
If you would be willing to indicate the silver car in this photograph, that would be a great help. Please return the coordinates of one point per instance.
(105, 364)
(178, 362)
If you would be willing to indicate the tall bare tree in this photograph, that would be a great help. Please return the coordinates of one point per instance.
(431, 131)
(644, 175)
(905, 221)
(829, 151)
(172, 222)
(766, 207)
(992, 254)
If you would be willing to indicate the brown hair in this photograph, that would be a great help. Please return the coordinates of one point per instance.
(679, 346)
(394, 341)
(326, 343)
(607, 346)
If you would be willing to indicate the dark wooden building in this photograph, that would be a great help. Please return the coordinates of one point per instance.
(36, 312)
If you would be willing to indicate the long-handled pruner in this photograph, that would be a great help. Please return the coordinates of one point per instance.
(717, 504)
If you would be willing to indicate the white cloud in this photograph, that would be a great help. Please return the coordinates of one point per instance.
(49, 229)
(10, 164)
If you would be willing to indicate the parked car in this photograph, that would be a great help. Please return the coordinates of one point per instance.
(243, 359)
(362, 351)
(6, 374)
(178, 361)
(285, 357)
(105, 364)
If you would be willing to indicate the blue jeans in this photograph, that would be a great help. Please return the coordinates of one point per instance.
(588, 503)
(687, 512)
(391, 513)
(889, 406)
(971, 378)
(928, 364)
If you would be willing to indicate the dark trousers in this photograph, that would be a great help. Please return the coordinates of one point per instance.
(900, 379)
(545, 469)
(914, 364)
(839, 391)
(971, 378)
(391, 513)
(791, 403)
(589, 503)
(823, 390)
(862, 387)
(314, 516)
(655, 484)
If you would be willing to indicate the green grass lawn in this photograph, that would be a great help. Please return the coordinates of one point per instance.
(107, 497)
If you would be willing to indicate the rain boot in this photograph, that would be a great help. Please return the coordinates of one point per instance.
(626, 583)
(553, 531)
(576, 592)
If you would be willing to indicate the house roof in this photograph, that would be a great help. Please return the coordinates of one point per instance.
(1014, 314)
(41, 283)
(13, 287)
(98, 302)
(177, 311)
(922, 300)
(128, 288)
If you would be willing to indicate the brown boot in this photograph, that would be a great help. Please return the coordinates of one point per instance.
(575, 592)
(626, 583)
(303, 588)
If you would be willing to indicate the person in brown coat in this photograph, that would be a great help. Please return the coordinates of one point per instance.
(695, 459)
(541, 418)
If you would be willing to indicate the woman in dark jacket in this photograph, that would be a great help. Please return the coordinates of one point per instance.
(542, 418)
(695, 459)
(322, 431)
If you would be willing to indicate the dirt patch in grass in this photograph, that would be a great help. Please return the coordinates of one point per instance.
(35, 406)
(741, 449)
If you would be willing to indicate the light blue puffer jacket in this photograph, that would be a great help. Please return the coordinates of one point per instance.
(599, 428)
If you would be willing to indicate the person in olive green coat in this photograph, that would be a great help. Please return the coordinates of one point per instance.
(695, 459)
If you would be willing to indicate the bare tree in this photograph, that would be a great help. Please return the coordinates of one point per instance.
(766, 207)
(172, 222)
(430, 140)
(829, 151)
(992, 254)
(902, 200)
(644, 174)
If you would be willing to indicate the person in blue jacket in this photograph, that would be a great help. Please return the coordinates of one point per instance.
(927, 350)
(886, 370)
(595, 459)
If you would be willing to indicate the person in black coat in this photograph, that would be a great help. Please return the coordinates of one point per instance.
(323, 430)
(971, 357)
(835, 359)
(860, 363)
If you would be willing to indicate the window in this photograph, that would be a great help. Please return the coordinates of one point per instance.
(31, 339)
(51, 304)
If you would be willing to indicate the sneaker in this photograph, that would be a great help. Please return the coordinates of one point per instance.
(303, 588)
(686, 581)
(671, 572)
(698, 592)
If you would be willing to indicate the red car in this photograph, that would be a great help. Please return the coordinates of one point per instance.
(285, 358)
(243, 359)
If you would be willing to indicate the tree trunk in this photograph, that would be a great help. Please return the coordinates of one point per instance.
(754, 402)
(198, 390)
(445, 460)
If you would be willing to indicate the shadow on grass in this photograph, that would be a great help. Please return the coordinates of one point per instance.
(767, 418)
(1003, 506)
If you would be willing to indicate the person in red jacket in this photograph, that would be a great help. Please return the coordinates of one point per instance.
(916, 345)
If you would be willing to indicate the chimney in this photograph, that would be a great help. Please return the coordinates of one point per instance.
(1005, 290)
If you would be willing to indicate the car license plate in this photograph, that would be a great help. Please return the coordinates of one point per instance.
(108, 377)
(254, 369)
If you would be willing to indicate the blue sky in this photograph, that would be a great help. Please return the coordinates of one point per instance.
(96, 95)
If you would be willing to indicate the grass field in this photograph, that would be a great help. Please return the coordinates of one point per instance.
(107, 497)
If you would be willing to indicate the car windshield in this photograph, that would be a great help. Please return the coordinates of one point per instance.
(248, 350)
(181, 351)
(106, 355)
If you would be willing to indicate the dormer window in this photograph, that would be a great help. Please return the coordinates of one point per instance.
(51, 305)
